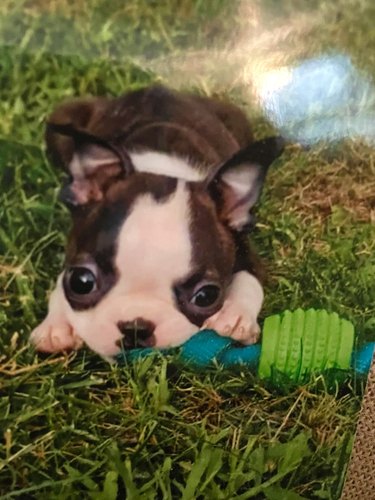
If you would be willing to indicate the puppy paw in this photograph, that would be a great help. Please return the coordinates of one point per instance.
(49, 337)
(236, 321)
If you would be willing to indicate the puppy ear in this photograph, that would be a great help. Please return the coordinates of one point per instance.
(79, 114)
(236, 185)
(91, 161)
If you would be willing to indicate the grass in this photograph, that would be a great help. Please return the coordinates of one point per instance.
(74, 427)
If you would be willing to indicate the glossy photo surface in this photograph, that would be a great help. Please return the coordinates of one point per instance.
(154, 247)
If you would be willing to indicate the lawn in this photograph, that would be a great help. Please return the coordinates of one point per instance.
(73, 427)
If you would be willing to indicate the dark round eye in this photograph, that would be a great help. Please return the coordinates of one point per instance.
(81, 280)
(206, 296)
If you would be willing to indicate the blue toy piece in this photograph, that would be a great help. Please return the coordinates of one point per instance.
(293, 343)
(361, 359)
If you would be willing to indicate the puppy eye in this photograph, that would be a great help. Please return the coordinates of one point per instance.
(81, 280)
(206, 296)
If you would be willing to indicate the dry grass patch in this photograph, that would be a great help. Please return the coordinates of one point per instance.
(324, 184)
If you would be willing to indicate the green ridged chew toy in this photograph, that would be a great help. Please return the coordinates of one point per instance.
(295, 344)
(302, 342)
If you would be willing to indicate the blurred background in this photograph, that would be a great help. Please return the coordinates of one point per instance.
(307, 66)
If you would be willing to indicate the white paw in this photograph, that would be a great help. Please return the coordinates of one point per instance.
(50, 337)
(235, 320)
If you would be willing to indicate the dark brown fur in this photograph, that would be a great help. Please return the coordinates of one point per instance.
(202, 129)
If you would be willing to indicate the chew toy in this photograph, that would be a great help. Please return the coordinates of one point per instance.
(294, 344)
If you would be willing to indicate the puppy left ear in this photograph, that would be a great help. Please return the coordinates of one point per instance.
(94, 164)
(236, 185)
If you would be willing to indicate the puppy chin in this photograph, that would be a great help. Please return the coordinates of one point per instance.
(174, 332)
(105, 341)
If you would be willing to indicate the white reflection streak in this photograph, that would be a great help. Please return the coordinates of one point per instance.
(321, 98)
(324, 98)
(252, 52)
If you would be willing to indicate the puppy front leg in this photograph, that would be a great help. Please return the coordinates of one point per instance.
(238, 316)
(55, 333)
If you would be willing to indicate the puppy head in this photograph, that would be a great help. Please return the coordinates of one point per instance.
(150, 257)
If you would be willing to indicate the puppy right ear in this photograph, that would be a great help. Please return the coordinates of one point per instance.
(79, 114)
(92, 162)
(236, 184)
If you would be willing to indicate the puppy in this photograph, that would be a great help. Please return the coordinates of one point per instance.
(160, 189)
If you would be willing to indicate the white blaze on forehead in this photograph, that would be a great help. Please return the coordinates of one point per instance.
(154, 162)
(154, 248)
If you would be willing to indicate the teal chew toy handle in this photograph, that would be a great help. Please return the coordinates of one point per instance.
(295, 344)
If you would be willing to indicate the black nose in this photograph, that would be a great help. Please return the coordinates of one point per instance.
(137, 333)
